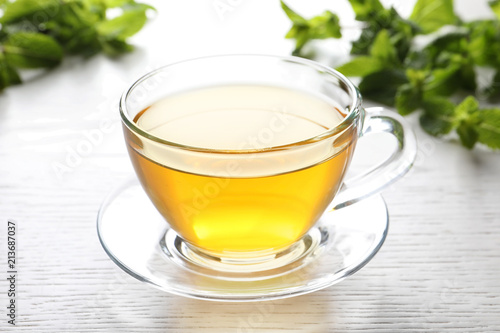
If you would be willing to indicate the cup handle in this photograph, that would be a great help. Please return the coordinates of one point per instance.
(380, 120)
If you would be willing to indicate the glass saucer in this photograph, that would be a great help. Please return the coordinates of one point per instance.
(139, 241)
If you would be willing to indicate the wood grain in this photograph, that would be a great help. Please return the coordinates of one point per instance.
(437, 272)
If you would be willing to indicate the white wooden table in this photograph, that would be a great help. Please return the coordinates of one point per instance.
(439, 270)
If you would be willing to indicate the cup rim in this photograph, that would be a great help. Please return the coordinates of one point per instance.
(354, 106)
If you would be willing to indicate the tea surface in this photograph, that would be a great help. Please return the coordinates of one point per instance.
(231, 209)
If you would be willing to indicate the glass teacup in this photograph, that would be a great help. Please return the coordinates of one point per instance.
(243, 154)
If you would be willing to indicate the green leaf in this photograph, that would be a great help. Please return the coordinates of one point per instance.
(442, 81)
(292, 15)
(464, 77)
(132, 5)
(115, 47)
(495, 6)
(484, 42)
(394, 70)
(431, 15)
(32, 50)
(123, 26)
(382, 86)
(451, 42)
(417, 59)
(466, 116)
(416, 77)
(468, 77)
(326, 25)
(361, 66)
(116, 3)
(8, 74)
(29, 10)
(322, 26)
(469, 106)
(382, 55)
(438, 117)
(493, 91)
(364, 9)
(401, 32)
(452, 71)
(468, 135)
(383, 49)
(362, 45)
(74, 28)
(408, 99)
(37, 33)
(489, 127)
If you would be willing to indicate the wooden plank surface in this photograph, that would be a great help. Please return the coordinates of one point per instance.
(439, 270)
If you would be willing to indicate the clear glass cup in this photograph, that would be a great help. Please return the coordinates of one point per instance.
(242, 210)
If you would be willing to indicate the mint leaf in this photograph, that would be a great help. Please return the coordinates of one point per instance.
(123, 26)
(293, 16)
(364, 9)
(37, 33)
(397, 70)
(438, 117)
(28, 10)
(322, 26)
(32, 50)
(495, 6)
(417, 60)
(484, 42)
(362, 45)
(115, 47)
(442, 81)
(469, 106)
(361, 66)
(450, 53)
(489, 127)
(299, 30)
(401, 32)
(493, 91)
(409, 96)
(466, 114)
(468, 77)
(454, 71)
(74, 28)
(431, 15)
(408, 99)
(478, 125)
(468, 135)
(416, 77)
(448, 63)
(383, 85)
(382, 55)
(326, 25)
(74, 23)
(8, 74)
(383, 49)
(116, 3)
(454, 41)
